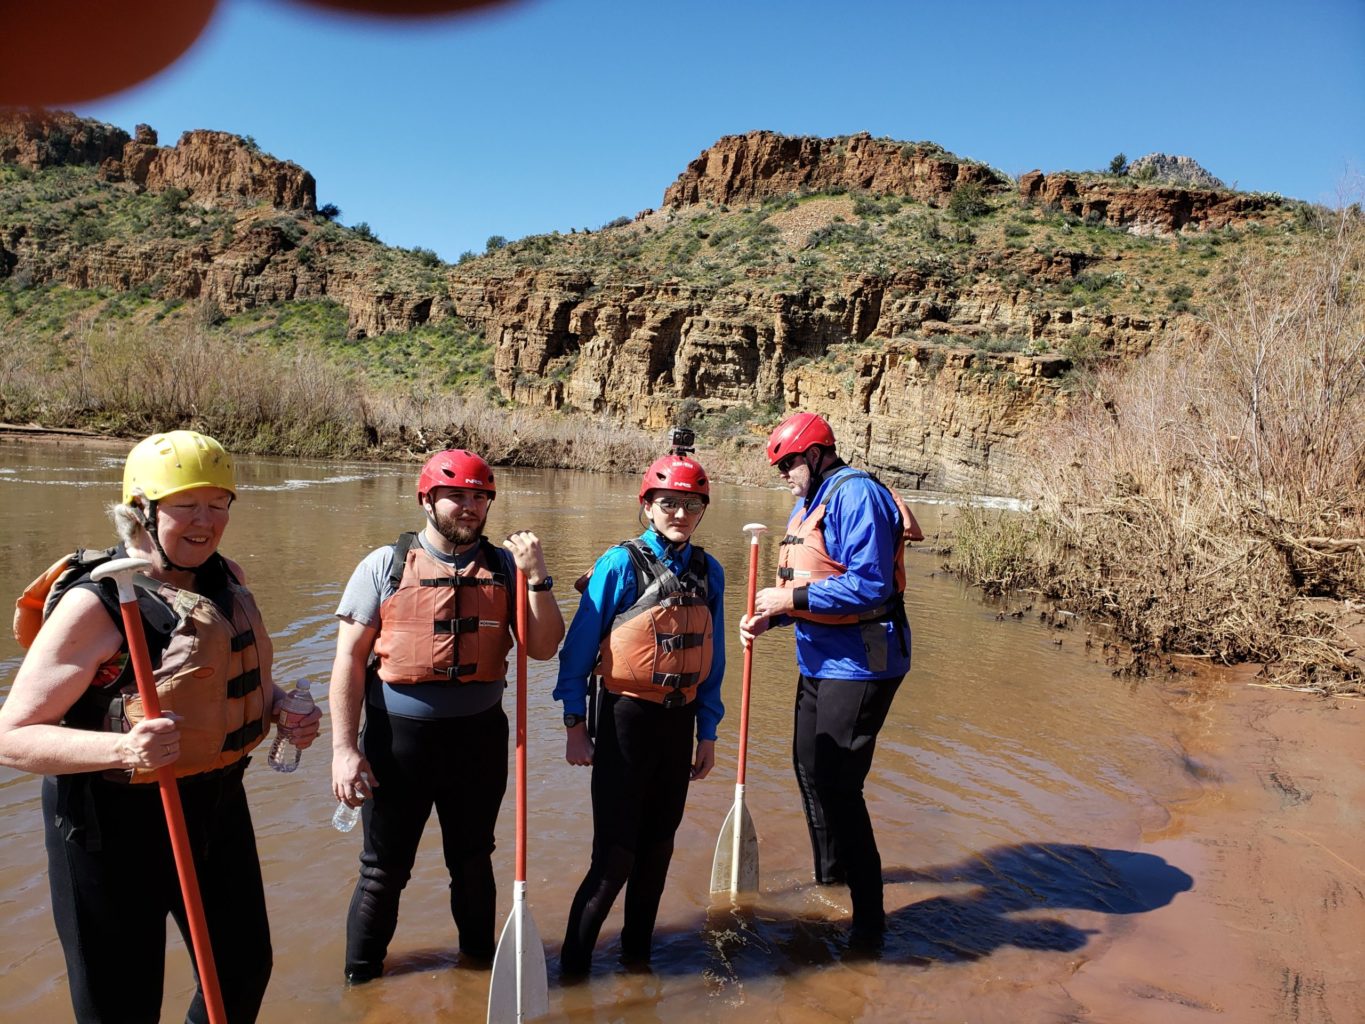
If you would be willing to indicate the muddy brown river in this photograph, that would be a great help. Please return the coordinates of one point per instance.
(1060, 844)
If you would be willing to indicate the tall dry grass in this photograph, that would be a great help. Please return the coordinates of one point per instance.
(133, 379)
(1211, 498)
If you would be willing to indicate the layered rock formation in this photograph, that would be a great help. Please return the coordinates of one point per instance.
(216, 168)
(749, 168)
(1142, 209)
(925, 414)
(888, 356)
(38, 138)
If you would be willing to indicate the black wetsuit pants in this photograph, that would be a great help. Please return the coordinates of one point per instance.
(642, 763)
(837, 721)
(458, 766)
(113, 882)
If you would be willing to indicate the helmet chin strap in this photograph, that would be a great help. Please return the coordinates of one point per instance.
(148, 520)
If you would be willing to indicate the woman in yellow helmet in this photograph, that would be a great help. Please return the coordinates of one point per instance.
(72, 715)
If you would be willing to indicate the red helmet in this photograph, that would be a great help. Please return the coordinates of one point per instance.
(455, 468)
(797, 433)
(676, 473)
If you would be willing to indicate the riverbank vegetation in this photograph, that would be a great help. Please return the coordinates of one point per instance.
(1210, 499)
(265, 394)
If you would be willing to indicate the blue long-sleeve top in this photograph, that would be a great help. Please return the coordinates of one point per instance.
(862, 531)
(610, 591)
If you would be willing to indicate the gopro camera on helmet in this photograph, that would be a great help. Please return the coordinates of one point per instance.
(682, 440)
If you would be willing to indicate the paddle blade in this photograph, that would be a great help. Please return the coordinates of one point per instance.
(735, 866)
(516, 995)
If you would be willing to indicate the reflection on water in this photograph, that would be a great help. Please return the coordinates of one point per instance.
(1013, 784)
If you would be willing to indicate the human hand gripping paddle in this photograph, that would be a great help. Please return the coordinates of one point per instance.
(735, 866)
(121, 570)
(519, 989)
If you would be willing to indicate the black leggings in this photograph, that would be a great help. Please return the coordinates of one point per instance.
(458, 765)
(835, 735)
(113, 882)
(642, 763)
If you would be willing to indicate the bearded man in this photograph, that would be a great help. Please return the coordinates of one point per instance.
(426, 624)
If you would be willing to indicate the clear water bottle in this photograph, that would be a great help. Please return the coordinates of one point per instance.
(296, 706)
(344, 818)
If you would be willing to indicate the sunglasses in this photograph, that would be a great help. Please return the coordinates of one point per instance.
(785, 465)
(671, 505)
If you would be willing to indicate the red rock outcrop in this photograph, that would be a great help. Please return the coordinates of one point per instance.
(1143, 209)
(919, 404)
(216, 168)
(38, 138)
(747, 168)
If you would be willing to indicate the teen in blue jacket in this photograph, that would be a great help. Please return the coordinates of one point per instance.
(645, 627)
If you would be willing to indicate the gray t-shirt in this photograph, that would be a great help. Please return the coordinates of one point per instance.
(368, 588)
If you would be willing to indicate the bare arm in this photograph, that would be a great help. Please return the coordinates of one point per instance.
(77, 638)
(351, 773)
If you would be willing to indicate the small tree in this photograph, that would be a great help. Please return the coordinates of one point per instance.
(329, 211)
(494, 243)
(1118, 165)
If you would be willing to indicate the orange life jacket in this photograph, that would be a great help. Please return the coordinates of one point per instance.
(802, 555)
(210, 675)
(659, 649)
(207, 671)
(443, 625)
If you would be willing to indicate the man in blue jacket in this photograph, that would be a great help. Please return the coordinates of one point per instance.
(841, 583)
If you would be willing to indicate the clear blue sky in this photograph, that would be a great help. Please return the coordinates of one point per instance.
(555, 114)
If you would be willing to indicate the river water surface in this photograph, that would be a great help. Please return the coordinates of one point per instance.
(1021, 793)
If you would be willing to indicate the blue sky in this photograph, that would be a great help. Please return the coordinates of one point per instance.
(548, 115)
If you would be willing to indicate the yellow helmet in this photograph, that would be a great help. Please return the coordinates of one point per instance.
(175, 461)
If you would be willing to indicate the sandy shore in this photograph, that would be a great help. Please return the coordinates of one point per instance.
(1273, 929)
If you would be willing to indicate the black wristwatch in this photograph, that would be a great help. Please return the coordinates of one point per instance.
(571, 720)
(542, 586)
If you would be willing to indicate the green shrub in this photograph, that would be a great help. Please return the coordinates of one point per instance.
(968, 201)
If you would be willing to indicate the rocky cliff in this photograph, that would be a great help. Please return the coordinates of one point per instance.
(934, 339)
(35, 139)
(1144, 209)
(747, 168)
(215, 168)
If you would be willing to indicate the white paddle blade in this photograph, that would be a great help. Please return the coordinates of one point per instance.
(517, 995)
(735, 866)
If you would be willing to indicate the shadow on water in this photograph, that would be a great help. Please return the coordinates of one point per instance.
(749, 942)
(1007, 883)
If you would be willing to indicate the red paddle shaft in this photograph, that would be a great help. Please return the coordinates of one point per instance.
(754, 530)
(522, 614)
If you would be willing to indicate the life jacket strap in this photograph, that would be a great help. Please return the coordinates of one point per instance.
(669, 642)
(243, 640)
(452, 627)
(240, 686)
(496, 580)
(791, 538)
(239, 738)
(455, 671)
(677, 680)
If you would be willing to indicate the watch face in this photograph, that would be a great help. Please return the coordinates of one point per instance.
(571, 720)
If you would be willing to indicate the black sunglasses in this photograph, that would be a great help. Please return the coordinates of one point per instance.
(785, 465)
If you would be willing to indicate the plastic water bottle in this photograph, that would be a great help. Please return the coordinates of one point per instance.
(344, 818)
(296, 706)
